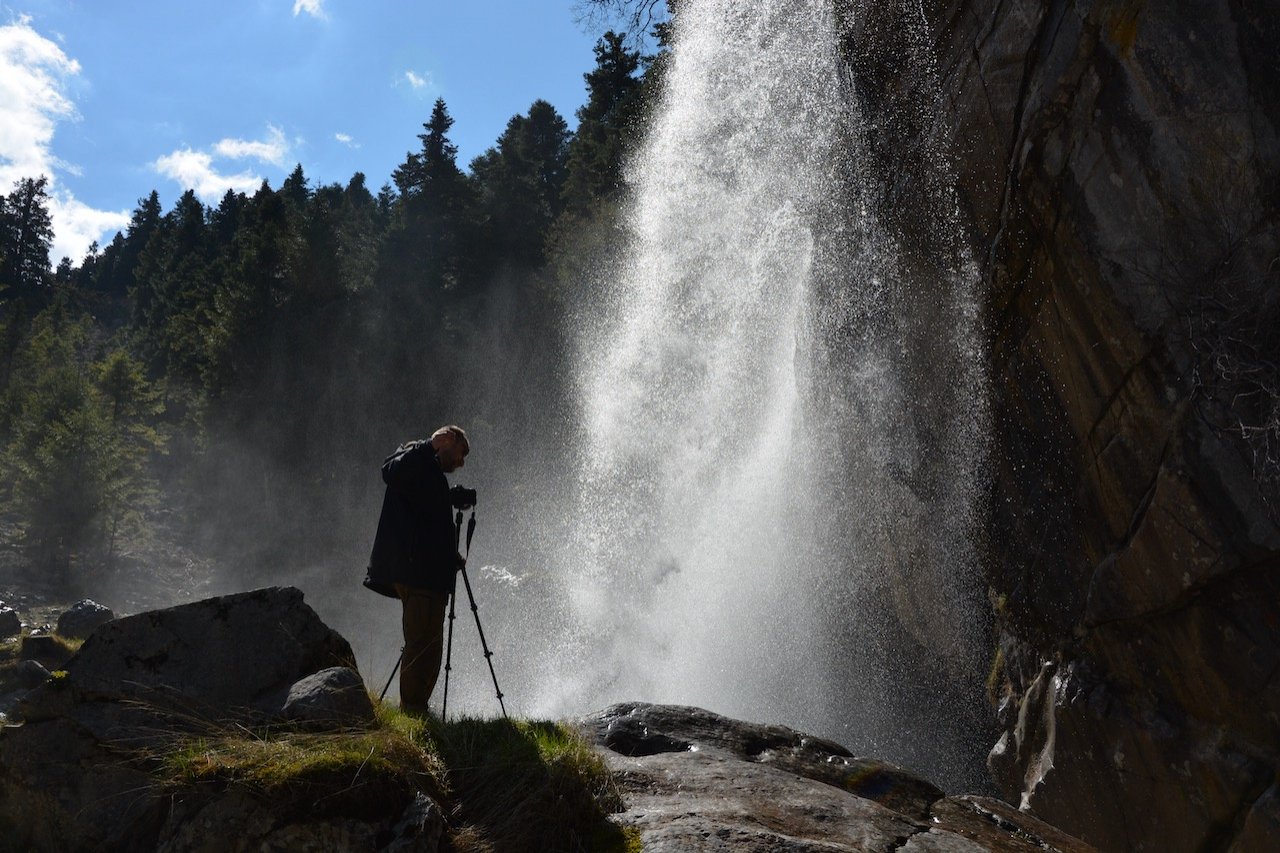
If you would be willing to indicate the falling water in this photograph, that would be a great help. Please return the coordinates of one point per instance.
(779, 432)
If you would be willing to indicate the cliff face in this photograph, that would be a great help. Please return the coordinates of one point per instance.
(1118, 174)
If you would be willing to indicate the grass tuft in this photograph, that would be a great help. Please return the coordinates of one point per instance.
(357, 773)
(528, 785)
(12, 654)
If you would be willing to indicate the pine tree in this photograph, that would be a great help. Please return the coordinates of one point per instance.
(429, 242)
(520, 182)
(26, 235)
(77, 444)
(130, 406)
(606, 125)
(360, 233)
(173, 289)
(52, 461)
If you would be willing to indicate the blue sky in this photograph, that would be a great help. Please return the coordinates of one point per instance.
(112, 99)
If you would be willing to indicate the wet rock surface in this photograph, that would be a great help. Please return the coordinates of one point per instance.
(1117, 168)
(694, 781)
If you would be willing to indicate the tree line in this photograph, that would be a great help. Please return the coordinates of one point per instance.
(290, 329)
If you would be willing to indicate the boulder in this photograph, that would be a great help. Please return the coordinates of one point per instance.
(333, 696)
(695, 781)
(10, 623)
(82, 618)
(229, 657)
(45, 648)
(239, 823)
(420, 827)
(30, 674)
(66, 777)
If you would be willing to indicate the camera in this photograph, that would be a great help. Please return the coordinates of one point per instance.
(462, 498)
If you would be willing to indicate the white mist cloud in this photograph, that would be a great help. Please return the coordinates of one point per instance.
(34, 72)
(197, 170)
(314, 8)
(417, 81)
(345, 139)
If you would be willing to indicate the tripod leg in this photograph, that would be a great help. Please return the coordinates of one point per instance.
(394, 670)
(448, 660)
(488, 655)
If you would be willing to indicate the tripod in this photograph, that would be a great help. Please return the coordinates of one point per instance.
(475, 611)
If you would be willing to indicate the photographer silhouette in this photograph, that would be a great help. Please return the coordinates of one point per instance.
(415, 552)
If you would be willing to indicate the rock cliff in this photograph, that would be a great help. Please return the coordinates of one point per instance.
(1117, 175)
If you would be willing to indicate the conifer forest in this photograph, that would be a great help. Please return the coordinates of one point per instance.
(291, 330)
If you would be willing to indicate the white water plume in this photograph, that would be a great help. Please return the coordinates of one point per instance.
(779, 413)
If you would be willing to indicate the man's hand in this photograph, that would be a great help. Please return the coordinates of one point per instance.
(462, 563)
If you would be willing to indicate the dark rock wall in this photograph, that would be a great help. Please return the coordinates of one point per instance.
(1118, 175)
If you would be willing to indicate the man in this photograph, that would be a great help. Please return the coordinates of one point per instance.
(415, 553)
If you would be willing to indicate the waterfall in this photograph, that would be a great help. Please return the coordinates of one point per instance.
(778, 442)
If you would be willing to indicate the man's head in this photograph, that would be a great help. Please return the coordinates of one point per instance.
(451, 446)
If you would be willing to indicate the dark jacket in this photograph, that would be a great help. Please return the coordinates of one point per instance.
(416, 543)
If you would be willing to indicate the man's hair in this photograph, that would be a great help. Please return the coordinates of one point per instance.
(453, 430)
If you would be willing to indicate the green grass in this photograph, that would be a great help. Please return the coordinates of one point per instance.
(65, 647)
(506, 786)
(528, 785)
(357, 773)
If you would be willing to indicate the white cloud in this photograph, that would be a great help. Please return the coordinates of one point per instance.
(194, 170)
(314, 8)
(77, 225)
(34, 72)
(416, 80)
(197, 170)
(273, 149)
(345, 139)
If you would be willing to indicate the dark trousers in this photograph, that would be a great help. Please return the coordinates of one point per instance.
(423, 622)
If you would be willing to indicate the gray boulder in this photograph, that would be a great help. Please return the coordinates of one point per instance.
(336, 695)
(420, 827)
(10, 624)
(44, 648)
(696, 781)
(30, 674)
(83, 617)
(240, 823)
(230, 657)
(66, 778)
